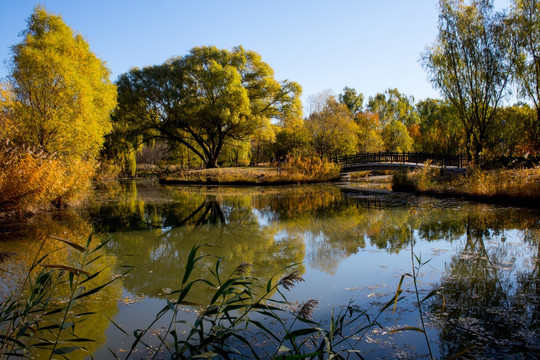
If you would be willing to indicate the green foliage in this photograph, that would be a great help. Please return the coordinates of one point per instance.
(369, 132)
(262, 143)
(393, 106)
(204, 99)
(353, 101)
(512, 131)
(292, 138)
(235, 153)
(40, 319)
(439, 130)
(469, 63)
(333, 130)
(62, 93)
(525, 20)
(396, 137)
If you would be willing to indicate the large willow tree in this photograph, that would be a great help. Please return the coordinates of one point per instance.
(55, 111)
(469, 63)
(204, 100)
(525, 16)
(62, 93)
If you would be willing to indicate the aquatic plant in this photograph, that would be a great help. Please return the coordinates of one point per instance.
(44, 316)
(230, 324)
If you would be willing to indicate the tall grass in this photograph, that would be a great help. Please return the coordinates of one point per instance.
(225, 327)
(311, 168)
(229, 326)
(518, 184)
(44, 316)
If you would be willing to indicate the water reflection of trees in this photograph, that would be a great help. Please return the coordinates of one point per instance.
(22, 241)
(173, 228)
(488, 299)
(491, 305)
(334, 224)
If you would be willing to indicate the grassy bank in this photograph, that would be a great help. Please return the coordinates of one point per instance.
(294, 172)
(518, 186)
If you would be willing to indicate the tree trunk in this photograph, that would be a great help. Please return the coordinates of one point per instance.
(211, 163)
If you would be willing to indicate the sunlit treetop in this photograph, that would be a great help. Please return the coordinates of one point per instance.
(62, 93)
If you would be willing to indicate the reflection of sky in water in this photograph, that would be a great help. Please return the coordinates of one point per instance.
(352, 248)
(264, 218)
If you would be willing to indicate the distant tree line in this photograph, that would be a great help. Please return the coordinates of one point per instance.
(216, 107)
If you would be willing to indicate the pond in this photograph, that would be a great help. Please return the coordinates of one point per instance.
(480, 262)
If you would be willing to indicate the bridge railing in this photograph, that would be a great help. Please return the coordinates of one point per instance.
(402, 157)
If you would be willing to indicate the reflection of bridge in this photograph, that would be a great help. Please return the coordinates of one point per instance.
(397, 161)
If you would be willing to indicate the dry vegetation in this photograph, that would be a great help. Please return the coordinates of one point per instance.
(30, 179)
(294, 170)
(518, 185)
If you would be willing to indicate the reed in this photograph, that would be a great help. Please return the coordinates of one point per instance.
(518, 184)
(224, 327)
(294, 170)
(40, 318)
(228, 326)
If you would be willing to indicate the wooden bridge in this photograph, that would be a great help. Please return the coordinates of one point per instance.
(398, 160)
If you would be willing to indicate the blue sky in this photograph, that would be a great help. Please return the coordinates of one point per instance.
(322, 45)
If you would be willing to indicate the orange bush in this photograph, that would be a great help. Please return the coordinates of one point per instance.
(30, 179)
(311, 167)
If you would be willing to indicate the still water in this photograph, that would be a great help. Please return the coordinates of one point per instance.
(348, 245)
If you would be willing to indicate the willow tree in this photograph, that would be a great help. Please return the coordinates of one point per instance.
(469, 63)
(525, 20)
(58, 104)
(204, 99)
(62, 95)
(393, 106)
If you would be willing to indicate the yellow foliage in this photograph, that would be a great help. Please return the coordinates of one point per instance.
(311, 168)
(513, 184)
(29, 179)
(62, 93)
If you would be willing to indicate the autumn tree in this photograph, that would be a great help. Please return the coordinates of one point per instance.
(205, 99)
(396, 137)
(440, 130)
(262, 142)
(525, 21)
(369, 132)
(54, 111)
(353, 101)
(393, 105)
(469, 64)
(333, 130)
(507, 135)
(62, 93)
(7, 126)
(292, 138)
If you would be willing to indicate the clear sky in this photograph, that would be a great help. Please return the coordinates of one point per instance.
(370, 45)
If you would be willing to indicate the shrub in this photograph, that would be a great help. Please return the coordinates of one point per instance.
(31, 179)
(311, 168)
(49, 315)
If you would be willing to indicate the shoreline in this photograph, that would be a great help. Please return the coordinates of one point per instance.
(486, 199)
